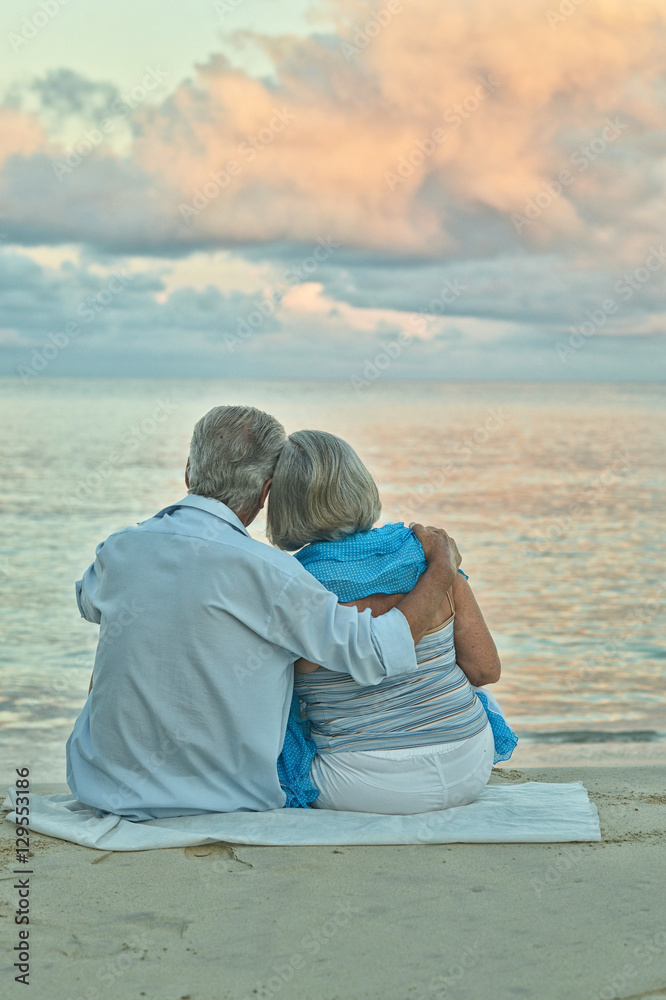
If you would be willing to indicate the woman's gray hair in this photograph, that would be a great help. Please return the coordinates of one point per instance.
(233, 452)
(321, 491)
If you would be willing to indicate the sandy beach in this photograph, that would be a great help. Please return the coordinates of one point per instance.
(468, 921)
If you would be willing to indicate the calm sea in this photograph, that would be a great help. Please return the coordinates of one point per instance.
(554, 493)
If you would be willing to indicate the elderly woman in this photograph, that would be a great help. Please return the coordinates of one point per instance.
(406, 745)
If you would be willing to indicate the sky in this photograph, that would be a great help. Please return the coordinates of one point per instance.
(449, 189)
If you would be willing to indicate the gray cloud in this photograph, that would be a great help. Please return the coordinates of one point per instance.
(138, 329)
(65, 93)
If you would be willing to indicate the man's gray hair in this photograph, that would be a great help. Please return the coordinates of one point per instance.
(233, 452)
(321, 491)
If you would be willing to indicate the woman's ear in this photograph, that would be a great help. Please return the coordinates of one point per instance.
(187, 474)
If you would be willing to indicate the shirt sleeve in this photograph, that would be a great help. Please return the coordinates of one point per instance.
(86, 590)
(308, 620)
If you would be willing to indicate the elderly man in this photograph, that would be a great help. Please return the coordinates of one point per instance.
(200, 626)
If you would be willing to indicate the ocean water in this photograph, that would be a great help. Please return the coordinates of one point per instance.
(554, 494)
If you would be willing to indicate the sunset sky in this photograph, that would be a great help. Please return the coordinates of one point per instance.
(457, 189)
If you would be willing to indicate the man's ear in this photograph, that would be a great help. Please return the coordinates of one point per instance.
(187, 474)
(264, 492)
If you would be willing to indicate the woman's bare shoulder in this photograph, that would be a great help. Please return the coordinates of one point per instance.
(379, 604)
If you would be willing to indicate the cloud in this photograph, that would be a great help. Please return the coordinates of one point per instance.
(21, 134)
(139, 316)
(481, 162)
(318, 149)
(65, 92)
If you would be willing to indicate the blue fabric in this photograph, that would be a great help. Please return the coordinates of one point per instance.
(503, 735)
(387, 560)
(296, 759)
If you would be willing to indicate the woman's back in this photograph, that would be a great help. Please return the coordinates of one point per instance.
(435, 705)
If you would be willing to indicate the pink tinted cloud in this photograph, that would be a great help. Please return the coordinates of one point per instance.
(21, 134)
(346, 142)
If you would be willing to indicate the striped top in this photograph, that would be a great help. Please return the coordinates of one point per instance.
(435, 705)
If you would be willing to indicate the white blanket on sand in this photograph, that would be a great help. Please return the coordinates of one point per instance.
(532, 812)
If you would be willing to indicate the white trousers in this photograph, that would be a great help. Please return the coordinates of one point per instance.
(410, 780)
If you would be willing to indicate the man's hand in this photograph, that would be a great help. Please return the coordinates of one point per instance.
(420, 605)
(437, 545)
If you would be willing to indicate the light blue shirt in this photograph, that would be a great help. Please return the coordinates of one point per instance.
(200, 625)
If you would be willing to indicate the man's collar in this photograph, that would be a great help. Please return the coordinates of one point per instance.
(215, 507)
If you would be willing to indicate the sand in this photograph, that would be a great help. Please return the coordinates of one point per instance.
(463, 921)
